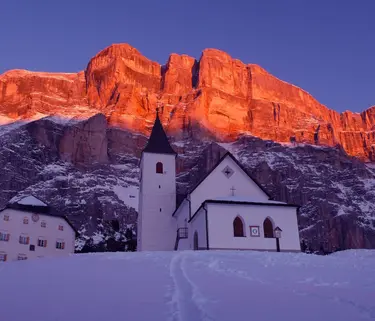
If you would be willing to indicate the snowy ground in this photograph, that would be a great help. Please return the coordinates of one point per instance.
(189, 286)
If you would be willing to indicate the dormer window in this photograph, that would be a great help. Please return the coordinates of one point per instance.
(25, 220)
(43, 224)
(159, 168)
(61, 227)
(6, 218)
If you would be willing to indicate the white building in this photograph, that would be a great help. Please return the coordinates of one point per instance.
(228, 209)
(29, 228)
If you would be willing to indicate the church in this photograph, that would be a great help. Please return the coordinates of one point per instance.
(226, 210)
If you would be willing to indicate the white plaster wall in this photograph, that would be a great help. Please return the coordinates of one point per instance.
(184, 244)
(198, 223)
(182, 217)
(220, 227)
(157, 229)
(33, 230)
(218, 185)
(182, 214)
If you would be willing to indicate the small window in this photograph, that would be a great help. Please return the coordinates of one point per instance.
(4, 236)
(3, 257)
(159, 209)
(25, 220)
(60, 245)
(42, 242)
(159, 186)
(21, 257)
(6, 218)
(24, 239)
(32, 248)
(61, 227)
(43, 224)
(159, 168)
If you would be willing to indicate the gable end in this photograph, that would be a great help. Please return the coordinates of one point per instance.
(240, 166)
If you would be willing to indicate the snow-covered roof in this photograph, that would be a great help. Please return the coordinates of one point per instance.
(32, 204)
(30, 200)
(245, 199)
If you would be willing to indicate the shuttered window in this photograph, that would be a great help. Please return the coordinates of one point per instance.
(4, 236)
(24, 239)
(60, 245)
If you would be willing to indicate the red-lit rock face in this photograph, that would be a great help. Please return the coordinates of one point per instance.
(218, 96)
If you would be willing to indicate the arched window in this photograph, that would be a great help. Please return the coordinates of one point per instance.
(159, 167)
(195, 240)
(268, 228)
(238, 227)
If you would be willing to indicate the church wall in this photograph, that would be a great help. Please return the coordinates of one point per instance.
(181, 217)
(15, 227)
(198, 224)
(220, 227)
(157, 227)
(218, 185)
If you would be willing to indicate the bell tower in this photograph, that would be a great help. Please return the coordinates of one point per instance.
(156, 229)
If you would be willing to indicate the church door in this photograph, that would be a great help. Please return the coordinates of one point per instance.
(195, 240)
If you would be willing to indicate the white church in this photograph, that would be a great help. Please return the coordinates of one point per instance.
(226, 210)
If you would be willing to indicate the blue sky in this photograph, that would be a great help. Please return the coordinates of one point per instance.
(327, 47)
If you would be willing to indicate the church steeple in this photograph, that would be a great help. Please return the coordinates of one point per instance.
(158, 142)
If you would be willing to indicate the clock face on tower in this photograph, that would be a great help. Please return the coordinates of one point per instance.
(254, 231)
(35, 217)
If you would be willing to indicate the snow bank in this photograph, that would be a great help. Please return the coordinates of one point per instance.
(190, 286)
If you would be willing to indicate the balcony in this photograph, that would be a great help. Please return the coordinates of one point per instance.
(182, 233)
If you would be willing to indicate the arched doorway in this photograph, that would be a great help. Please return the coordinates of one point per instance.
(195, 241)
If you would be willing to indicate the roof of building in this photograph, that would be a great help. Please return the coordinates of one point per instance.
(158, 142)
(245, 199)
(239, 165)
(234, 199)
(237, 202)
(34, 205)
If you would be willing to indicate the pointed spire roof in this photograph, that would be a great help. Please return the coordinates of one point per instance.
(158, 142)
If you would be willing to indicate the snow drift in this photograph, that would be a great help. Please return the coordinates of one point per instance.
(190, 286)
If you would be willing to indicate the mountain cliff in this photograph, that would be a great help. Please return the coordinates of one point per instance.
(216, 97)
(74, 140)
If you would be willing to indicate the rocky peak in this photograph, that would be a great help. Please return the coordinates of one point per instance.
(218, 97)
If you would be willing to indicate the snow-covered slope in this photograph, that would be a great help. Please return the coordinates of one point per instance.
(191, 286)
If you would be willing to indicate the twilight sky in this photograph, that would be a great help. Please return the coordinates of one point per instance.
(327, 47)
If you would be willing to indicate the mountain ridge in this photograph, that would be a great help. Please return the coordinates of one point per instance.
(216, 96)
